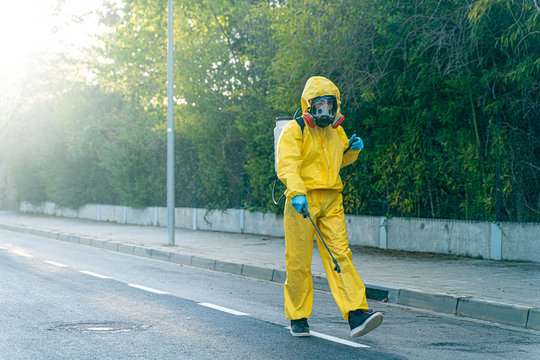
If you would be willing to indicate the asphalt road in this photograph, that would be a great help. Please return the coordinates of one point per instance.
(60, 300)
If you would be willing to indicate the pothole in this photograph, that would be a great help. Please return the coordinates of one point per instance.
(101, 327)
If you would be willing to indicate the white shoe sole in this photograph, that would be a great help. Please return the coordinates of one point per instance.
(370, 324)
(302, 334)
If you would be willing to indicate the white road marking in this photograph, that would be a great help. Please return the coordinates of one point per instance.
(21, 253)
(100, 328)
(334, 339)
(148, 289)
(3, 248)
(95, 275)
(55, 263)
(224, 309)
(338, 340)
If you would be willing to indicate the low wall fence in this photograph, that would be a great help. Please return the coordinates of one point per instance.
(498, 241)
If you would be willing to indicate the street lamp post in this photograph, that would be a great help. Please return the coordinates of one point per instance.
(170, 131)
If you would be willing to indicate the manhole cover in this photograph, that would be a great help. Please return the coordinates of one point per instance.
(101, 327)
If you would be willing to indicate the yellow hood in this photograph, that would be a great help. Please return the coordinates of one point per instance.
(319, 86)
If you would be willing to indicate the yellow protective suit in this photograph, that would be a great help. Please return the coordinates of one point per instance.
(308, 163)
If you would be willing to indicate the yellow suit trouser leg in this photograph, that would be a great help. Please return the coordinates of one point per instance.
(298, 288)
(347, 287)
(348, 290)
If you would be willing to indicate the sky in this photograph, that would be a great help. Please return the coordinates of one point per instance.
(33, 26)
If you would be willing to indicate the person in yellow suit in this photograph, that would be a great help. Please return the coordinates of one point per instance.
(311, 151)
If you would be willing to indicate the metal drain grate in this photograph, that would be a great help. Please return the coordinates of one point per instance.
(100, 327)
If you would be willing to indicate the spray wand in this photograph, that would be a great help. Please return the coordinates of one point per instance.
(305, 213)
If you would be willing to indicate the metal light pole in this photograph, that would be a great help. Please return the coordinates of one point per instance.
(170, 131)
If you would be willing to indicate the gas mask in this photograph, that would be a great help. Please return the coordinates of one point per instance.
(323, 110)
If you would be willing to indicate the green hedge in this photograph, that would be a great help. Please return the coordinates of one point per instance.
(444, 94)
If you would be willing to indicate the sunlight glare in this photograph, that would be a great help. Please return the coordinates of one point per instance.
(32, 26)
(24, 27)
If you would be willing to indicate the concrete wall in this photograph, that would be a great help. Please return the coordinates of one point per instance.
(263, 224)
(439, 236)
(364, 230)
(521, 241)
(510, 241)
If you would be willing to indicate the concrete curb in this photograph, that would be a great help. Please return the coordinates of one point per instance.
(515, 315)
(533, 322)
(437, 302)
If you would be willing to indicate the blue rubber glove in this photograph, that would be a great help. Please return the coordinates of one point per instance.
(299, 201)
(355, 143)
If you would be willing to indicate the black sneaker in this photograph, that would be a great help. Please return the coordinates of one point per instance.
(362, 322)
(299, 327)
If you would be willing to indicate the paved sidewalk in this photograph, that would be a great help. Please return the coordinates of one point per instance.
(500, 291)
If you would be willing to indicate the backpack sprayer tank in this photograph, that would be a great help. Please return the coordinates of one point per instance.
(280, 125)
(278, 130)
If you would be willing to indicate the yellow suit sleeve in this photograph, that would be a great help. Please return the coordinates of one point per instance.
(351, 155)
(289, 160)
